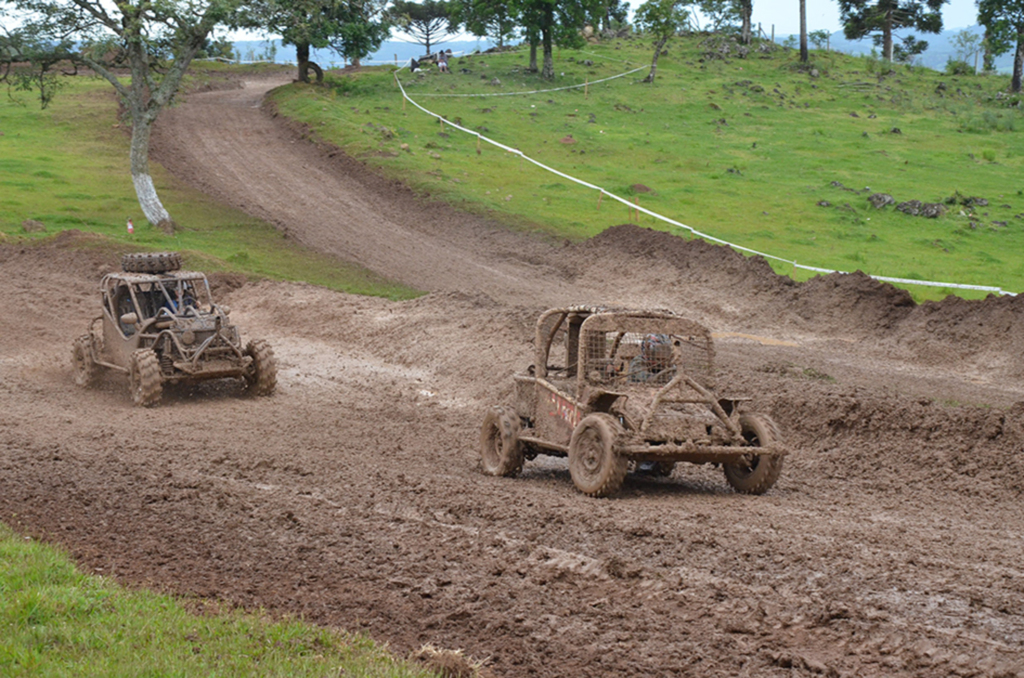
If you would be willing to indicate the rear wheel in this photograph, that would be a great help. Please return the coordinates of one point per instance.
(261, 378)
(81, 359)
(501, 453)
(595, 464)
(144, 378)
(756, 473)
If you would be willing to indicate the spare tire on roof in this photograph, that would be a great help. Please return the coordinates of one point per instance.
(151, 262)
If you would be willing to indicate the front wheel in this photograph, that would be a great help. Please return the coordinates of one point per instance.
(82, 361)
(261, 378)
(756, 473)
(144, 378)
(501, 453)
(595, 464)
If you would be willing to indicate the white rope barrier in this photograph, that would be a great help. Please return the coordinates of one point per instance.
(673, 222)
(535, 91)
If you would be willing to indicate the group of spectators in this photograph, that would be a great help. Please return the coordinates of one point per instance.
(439, 58)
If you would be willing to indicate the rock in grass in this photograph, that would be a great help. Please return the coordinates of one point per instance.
(880, 200)
(911, 207)
(33, 226)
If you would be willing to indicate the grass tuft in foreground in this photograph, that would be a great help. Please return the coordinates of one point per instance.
(57, 621)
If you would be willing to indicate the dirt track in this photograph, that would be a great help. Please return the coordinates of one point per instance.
(892, 545)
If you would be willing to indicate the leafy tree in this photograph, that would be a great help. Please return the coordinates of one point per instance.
(154, 41)
(352, 28)
(662, 19)
(818, 38)
(29, 63)
(363, 25)
(908, 48)
(967, 44)
(881, 18)
(611, 15)
(1004, 30)
(497, 19)
(216, 49)
(427, 22)
(554, 22)
(720, 14)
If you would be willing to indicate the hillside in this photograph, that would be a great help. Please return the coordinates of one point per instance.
(751, 149)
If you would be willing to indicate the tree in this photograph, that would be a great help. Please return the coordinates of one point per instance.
(720, 14)
(819, 38)
(803, 32)
(29, 63)
(352, 28)
(745, 9)
(613, 15)
(662, 19)
(155, 41)
(1004, 29)
(883, 17)
(555, 22)
(363, 26)
(495, 19)
(427, 22)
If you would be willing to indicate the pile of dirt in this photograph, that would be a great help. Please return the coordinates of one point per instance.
(986, 333)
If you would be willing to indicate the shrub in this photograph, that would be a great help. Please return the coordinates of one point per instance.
(958, 67)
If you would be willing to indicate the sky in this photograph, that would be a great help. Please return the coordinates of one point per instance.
(824, 14)
(785, 14)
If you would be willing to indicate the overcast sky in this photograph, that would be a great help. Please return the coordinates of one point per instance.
(823, 14)
(785, 14)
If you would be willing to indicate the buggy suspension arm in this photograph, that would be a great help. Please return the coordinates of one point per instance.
(707, 395)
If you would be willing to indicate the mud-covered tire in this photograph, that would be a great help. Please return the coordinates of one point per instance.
(261, 377)
(144, 378)
(663, 469)
(501, 453)
(595, 464)
(151, 262)
(85, 368)
(758, 473)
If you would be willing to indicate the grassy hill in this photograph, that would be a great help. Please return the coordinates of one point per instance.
(759, 151)
(66, 167)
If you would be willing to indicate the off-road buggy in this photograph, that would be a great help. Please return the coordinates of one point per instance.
(615, 390)
(161, 326)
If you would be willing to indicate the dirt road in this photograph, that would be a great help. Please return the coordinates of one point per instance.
(892, 544)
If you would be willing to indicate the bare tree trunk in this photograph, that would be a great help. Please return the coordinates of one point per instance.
(654, 61)
(149, 201)
(887, 37)
(548, 71)
(803, 32)
(305, 65)
(533, 56)
(746, 10)
(1018, 66)
(988, 59)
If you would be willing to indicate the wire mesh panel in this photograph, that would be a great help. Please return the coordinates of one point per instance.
(623, 351)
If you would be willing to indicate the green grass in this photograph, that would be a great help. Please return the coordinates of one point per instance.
(56, 621)
(67, 167)
(742, 149)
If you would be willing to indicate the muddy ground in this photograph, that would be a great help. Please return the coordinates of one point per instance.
(891, 546)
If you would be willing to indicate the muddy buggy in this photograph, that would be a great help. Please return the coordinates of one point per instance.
(615, 390)
(160, 326)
